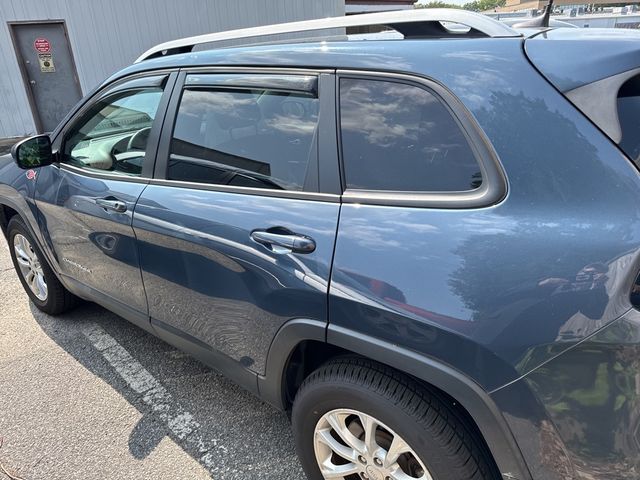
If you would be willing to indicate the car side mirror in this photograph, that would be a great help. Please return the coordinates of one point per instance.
(33, 152)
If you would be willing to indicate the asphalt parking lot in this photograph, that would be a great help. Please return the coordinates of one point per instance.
(89, 396)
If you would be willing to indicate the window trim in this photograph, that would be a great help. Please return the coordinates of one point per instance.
(245, 81)
(262, 192)
(327, 164)
(98, 94)
(599, 102)
(494, 181)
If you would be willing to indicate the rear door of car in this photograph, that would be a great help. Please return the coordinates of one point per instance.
(237, 229)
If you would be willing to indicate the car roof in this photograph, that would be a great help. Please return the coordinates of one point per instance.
(569, 57)
(385, 55)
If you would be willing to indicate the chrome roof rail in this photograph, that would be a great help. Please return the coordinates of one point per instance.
(417, 23)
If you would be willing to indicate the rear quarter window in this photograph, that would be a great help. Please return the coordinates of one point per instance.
(401, 137)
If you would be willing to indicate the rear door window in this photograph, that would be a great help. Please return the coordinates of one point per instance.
(629, 115)
(401, 137)
(244, 137)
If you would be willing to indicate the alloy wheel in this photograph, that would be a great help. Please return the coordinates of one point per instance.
(30, 267)
(352, 445)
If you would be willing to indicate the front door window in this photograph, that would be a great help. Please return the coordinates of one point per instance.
(112, 136)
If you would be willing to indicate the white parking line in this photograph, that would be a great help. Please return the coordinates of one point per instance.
(178, 420)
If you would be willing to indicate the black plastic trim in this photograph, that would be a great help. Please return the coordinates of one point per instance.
(599, 102)
(306, 83)
(494, 181)
(214, 359)
(271, 385)
(134, 83)
(255, 70)
(156, 128)
(207, 355)
(164, 145)
(469, 394)
(95, 94)
(87, 293)
(328, 161)
(3, 222)
(263, 192)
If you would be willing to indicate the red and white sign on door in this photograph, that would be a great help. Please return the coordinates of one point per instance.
(42, 45)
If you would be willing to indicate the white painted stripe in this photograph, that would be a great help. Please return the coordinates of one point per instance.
(179, 421)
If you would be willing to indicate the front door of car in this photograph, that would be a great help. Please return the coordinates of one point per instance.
(235, 238)
(86, 201)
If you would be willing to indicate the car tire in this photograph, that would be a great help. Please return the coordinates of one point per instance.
(351, 392)
(27, 258)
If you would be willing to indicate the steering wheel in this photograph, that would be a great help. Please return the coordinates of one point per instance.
(138, 140)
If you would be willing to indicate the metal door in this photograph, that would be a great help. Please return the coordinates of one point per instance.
(48, 70)
(86, 204)
(226, 265)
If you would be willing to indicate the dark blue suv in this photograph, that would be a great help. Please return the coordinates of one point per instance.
(425, 249)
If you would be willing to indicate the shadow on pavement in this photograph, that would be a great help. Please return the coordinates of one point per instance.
(230, 432)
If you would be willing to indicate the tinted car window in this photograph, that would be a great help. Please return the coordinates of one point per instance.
(246, 138)
(112, 136)
(401, 137)
(629, 114)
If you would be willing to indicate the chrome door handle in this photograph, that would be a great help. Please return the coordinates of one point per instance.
(112, 204)
(284, 242)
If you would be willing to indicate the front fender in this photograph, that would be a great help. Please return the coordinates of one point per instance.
(17, 188)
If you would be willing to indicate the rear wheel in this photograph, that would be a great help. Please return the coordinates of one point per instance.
(43, 287)
(355, 419)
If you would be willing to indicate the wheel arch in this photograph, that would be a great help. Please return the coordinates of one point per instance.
(322, 342)
(20, 209)
(6, 214)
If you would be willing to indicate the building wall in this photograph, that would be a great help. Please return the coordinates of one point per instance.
(604, 21)
(108, 35)
(369, 6)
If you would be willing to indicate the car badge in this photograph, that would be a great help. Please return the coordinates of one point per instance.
(31, 174)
